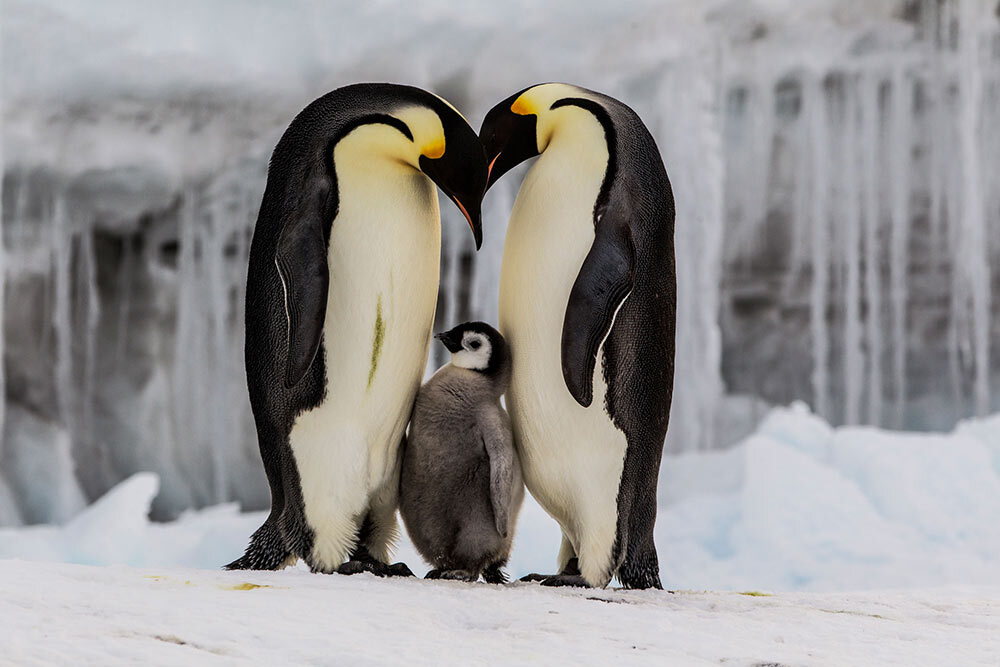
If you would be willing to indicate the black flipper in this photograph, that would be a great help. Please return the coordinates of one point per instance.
(605, 279)
(266, 551)
(301, 258)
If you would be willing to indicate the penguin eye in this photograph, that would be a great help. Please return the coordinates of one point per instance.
(474, 345)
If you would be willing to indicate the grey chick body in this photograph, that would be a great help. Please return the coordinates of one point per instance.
(461, 486)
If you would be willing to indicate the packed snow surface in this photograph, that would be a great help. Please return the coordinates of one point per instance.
(72, 614)
(798, 506)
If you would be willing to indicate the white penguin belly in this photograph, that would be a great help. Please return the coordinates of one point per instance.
(384, 256)
(572, 457)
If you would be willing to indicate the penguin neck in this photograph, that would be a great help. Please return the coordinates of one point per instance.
(374, 151)
(490, 384)
(575, 134)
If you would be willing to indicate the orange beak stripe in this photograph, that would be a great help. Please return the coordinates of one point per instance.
(489, 170)
(464, 212)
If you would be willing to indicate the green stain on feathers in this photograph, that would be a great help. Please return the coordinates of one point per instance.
(377, 338)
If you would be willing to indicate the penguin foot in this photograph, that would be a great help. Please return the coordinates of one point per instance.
(359, 566)
(494, 575)
(574, 580)
(399, 570)
(378, 568)
(572, 569)
(452, 575)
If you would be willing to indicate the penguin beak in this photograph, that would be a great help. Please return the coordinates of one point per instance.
(451, 340)
(463, 179)
(509, 139)
(489, 170)
(475, 221)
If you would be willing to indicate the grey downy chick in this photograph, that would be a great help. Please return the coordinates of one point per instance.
(461, 487)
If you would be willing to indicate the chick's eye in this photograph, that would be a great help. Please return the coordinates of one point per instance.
(474, 345)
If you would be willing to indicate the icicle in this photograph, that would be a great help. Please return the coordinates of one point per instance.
(91, 318)
(953, 187)
(815, 106)
(753, 158)
(693, 134)
(3, 284)
(188, 382)
(496, 215)
(62, 251)
(802, 232)
(974, 247)
(456, 249)
(125, 306)
(938, 171)
(899, 171)
(763, 146)
(873, 283)
(853, 356)
(220, 430)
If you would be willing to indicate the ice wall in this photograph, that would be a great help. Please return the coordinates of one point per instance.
(835, 167)
(865, 217)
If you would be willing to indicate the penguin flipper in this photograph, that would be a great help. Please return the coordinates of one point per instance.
(301, 258)
(499, 445)
(604, 281)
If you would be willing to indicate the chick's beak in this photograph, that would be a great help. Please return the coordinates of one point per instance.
(450, 340)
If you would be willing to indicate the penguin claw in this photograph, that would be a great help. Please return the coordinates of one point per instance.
(399, 570)
(359, 566)
(570, 571)
(495, 575)
(573, 580)
(378, 568)
(452, 575)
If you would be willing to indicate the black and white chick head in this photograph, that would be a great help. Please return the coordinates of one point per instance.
(478, 347)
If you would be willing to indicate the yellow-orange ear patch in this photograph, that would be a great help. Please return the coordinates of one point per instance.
(523, 107)
(434, 149)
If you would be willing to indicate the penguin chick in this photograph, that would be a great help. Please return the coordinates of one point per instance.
(461, 487)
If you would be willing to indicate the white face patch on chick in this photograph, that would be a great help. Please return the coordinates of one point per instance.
(475, 352)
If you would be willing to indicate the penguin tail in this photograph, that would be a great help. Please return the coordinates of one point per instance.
(266, 551)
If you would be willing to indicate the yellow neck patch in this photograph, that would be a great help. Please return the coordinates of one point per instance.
(428, 133)
(522, 106)
(434, 149)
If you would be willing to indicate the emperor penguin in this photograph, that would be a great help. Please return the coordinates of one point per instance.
(588, 306)
(341, 295)
(461, 486)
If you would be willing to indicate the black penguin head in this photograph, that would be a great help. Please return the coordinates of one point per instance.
(460, 168)
(509, 135)
(476, 346)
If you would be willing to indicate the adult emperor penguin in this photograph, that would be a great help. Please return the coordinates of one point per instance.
(587, 305)
(341, 294)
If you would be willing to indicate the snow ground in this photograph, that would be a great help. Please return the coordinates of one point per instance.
(797, 506)
(72, 614)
